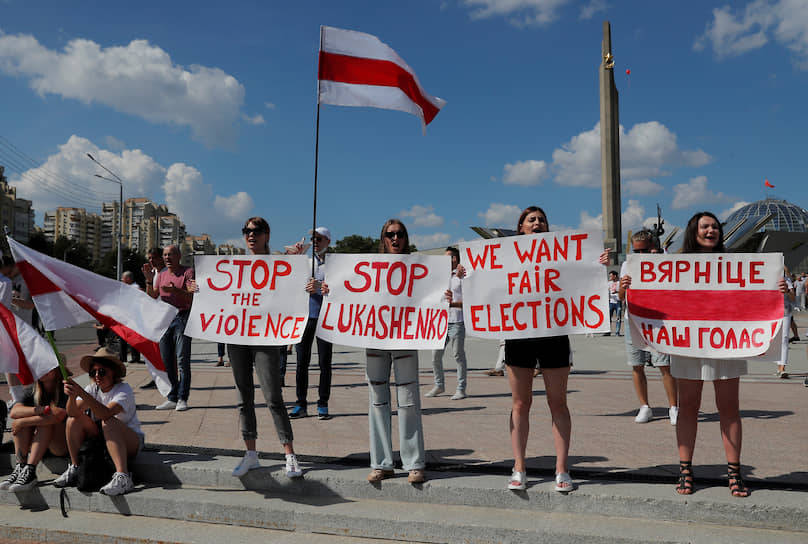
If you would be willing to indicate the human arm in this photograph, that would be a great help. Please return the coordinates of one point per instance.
(782, 284)
(34, 416)
(625, 283)
(604, 257)
(79, 400)
(148, 274)
(314, 286)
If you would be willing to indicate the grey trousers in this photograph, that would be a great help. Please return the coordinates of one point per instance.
(455, 343)
(410, 428)
(267, 363)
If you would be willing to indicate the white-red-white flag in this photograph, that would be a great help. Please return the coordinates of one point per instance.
(66, 295)
(22, 351)
(358, 69)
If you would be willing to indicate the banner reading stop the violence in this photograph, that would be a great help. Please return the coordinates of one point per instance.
(257, 300)
(386, 301)
(535, 285)
(719, 306)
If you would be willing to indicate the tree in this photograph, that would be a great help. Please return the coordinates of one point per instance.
(38, 242)
(72, 252)
(131, 261)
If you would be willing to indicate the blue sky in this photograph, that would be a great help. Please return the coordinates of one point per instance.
(210, 108)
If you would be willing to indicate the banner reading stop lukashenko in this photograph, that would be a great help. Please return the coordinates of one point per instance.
(257, 300)
(535, 285)
(386, 301)
(719, 305)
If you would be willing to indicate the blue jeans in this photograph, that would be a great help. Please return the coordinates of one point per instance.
(616, 308)
(175, 350)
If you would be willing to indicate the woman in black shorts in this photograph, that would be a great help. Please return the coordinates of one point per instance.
(553, 356)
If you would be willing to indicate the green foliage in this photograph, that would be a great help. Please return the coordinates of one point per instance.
(132, 261)
(72, 252)
(357, 244)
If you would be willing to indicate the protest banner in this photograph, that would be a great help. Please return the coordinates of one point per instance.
(256, 300)
(386, 301)
(719, 305)
(535, 285)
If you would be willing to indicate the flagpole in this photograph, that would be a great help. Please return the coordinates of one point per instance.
(316, 163)
(62, 368)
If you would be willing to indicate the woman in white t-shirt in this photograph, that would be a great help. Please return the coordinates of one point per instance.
(106, 406)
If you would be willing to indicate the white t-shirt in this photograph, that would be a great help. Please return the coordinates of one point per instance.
(26, 314)
(122, 395)
(6, 287)
(456, 286)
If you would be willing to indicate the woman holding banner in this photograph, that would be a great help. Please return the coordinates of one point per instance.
(266, 360)
(395, 240)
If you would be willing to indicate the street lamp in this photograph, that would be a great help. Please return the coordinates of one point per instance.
(119, 181)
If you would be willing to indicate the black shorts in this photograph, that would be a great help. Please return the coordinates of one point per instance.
(546, 352)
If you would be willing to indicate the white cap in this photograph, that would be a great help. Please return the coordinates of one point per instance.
(323, 231)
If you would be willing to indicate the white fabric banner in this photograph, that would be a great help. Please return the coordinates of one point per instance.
(719, 305)
(534, 285)
(256, 300)
(386, 301)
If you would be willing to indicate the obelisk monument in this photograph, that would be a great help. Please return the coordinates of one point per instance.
(610, 149)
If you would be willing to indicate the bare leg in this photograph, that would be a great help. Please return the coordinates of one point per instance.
(122, 442)
(521, 381)
(669, 382)
(555, 384)
(42, 438)
(640, 384)
(22, 443)
(726, 400)
(78, 429)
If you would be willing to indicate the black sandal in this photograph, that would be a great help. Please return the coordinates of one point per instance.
(685, 486)
(736, 486)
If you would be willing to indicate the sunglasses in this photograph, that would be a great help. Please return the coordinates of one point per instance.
(392, 235)
(100, 372)
(246, 231)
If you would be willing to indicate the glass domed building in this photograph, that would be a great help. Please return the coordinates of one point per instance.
(786, 217)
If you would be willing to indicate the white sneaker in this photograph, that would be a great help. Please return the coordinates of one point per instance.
(459, 395)
(292, 468)
(247, 463)
(68, 477)
(120, 483)
(435, 391)
(167, 405)
(644, 415)
(673, 413)
(182, 405)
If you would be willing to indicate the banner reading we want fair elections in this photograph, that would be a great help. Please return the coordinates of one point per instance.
(535, 285)
(386, 301)
(256, 300)
(721, 305)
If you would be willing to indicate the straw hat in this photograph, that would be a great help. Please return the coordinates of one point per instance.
(106, 354)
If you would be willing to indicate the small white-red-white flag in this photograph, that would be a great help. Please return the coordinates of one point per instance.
(22, 351)
(357, 69)
(66, 295)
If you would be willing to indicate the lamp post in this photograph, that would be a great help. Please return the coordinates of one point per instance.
(119, 181)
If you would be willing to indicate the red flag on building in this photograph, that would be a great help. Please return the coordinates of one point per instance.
(22, 351)
(767, 184)
(66, 295)
(357, 69)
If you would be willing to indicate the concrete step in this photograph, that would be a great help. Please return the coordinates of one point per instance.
(97, 528)
(640, 502)
(381, 519)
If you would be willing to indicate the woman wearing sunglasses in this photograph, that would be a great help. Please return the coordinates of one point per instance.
(266, 361)
(105, 407)
(38, 427)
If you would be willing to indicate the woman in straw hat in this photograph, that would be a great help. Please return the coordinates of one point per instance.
(106, 407)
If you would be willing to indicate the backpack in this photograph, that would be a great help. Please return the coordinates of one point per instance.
(95, 465)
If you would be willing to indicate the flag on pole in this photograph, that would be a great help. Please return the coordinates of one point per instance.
(66, 295)
(357, 69)
(767, 184)
(22, 351)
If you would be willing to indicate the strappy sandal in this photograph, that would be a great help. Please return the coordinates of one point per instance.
(518, 481)
(736, 486)
(563, 482)
(685, 485)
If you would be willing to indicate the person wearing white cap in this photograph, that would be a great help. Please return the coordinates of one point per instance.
(321, 237)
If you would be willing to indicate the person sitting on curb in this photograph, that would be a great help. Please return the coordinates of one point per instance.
(112, 414)
(38, 426)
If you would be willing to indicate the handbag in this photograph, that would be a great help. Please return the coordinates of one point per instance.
(95, 465)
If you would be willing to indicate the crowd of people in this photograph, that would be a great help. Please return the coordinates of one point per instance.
(59, 416)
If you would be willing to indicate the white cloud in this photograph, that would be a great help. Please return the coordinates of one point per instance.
(644, 187)
(422, 216)
(430, 241)
(138, 79)
(729, 211)
(589, 222)
(501, 215)
(631, 218)
(270, 105)
(66, 179)
(646, 150)
(695, 192)
(254, 120)
(525, 173)
(752, 27)
(517, 12)
(114, 143)
(591, 8)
